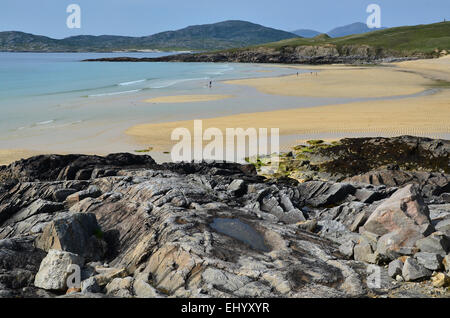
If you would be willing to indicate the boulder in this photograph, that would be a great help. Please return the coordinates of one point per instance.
(413, 271)
(431, 261)
(363, 252)
(54, 270)
(397, 243)
(237, 187)
(395, 268)
(318, 193)
(90, 286)
(435, 243)
(120, 287)
(367, 196)
(402, 220)
(443, 226)
(346, 249)
(144, 290)
(75, 233)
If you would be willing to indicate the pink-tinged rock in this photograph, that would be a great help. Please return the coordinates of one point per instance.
(401, 220)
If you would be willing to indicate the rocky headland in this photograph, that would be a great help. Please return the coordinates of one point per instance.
(365, 217)
(305, 54)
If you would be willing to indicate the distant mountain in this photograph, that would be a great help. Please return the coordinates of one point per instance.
(217, 36)
(354, 28)
(306, 33)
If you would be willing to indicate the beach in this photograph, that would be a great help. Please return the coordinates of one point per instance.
(327, 102)
(423, 115)
(339, 81)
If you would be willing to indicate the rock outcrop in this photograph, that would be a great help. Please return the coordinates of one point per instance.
(304, 54)
(139, 229)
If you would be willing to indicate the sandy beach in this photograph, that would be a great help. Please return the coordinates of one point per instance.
(426, 115)
(10, 155)
(338, 81)
(378, 104)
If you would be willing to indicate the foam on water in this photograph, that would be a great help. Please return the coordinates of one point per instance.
(116, 93)
(132, 82)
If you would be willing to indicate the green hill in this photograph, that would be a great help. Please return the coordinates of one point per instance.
(408, 40)
(217, 36)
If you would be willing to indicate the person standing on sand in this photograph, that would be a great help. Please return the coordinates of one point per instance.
(210, 84)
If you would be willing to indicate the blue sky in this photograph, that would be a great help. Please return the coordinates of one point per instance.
(145, 17)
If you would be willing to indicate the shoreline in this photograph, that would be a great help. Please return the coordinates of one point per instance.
(387, 115)
(421, 115)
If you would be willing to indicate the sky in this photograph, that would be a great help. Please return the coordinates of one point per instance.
(146, 17)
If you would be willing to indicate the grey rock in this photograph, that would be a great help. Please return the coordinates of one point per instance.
(173, 243)
(54, 270)
(430, 261)
(400, 220)
(120, 287)
(317, 193)
(363, 252)
(286, 203)
(443, 226)
(270, 204)
(143, 289)
(395, 268)
(37, 207)
(413, 271)
(293, 216)
(346, 249)
(237, 187)
(359, 221)
(74, 233)
(386, 242)
(90, 286)
(439, 212)
(91, 192)
(62, 194)
(435, 243)
(366, 196)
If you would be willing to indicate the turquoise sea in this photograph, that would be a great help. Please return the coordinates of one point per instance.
(33, 84)
(44, 95)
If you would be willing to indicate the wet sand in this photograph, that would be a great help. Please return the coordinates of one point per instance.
(186, 99)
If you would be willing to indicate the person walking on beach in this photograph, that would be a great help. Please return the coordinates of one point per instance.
(210, 84)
